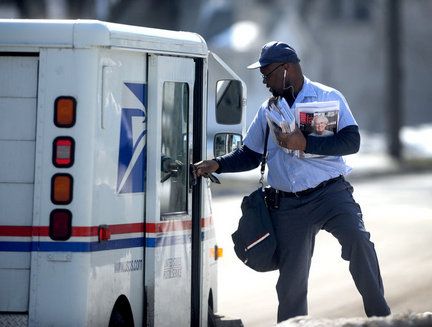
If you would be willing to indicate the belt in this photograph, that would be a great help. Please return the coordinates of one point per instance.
(284, 194)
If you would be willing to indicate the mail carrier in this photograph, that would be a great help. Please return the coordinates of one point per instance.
(101, 220)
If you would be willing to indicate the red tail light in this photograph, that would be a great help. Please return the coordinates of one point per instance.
(60, 228)
(63, 152)
(104, 233)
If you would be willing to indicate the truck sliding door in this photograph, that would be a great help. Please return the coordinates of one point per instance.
(170, 131)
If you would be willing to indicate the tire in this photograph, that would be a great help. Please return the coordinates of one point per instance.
(211, 317)
(117, 320)
(121, 315)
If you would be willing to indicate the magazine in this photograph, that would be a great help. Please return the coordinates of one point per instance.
(313, 118)
(317, 119)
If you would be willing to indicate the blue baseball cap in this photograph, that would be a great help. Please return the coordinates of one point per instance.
(275, 51)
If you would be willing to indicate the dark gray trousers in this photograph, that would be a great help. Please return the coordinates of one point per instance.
(296, 223)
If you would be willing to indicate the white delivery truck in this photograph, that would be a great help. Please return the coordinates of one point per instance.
(101, 220)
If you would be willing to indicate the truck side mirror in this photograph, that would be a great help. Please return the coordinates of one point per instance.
(225, 143)
(228, 102)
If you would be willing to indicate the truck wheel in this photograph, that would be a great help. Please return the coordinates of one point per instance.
(211, 317)
(121, 315)
(117, 320)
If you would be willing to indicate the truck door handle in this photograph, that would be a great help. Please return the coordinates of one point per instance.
(171, 167)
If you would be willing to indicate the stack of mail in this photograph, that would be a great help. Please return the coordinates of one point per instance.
(280, 113)
(280, 116)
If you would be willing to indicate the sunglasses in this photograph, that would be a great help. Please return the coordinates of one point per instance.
(267, 76)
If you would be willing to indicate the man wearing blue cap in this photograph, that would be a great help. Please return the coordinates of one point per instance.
(312, 192)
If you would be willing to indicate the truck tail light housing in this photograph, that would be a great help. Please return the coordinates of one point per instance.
(61, 189)
(104, 233)
(60, 228)
(63, 152)
(64, 111)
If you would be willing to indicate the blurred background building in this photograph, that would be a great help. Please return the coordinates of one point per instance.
(375, 51)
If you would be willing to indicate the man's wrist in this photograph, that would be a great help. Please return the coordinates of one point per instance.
(218, 160)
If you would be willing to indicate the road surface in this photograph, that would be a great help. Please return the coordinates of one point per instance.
(397, 211)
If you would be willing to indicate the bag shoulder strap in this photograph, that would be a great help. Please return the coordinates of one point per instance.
(264, 157)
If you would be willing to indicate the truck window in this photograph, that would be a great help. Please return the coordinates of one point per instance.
(228, 102)
(175, 140)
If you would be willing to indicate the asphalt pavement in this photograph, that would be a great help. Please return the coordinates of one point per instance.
(396, 200)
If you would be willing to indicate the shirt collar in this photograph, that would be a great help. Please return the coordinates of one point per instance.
(307, 91)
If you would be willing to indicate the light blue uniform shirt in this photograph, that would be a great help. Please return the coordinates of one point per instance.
(286, 171)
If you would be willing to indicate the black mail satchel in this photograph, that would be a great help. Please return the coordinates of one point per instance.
(254, 240)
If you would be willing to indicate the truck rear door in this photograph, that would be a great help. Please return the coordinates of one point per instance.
(18, 103)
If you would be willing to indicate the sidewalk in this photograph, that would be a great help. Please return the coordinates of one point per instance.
(409, 319)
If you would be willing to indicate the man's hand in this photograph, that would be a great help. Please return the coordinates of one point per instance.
(205, 167)
(293, 141)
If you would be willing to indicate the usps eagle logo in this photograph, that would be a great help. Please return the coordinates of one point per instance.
(131, 175)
